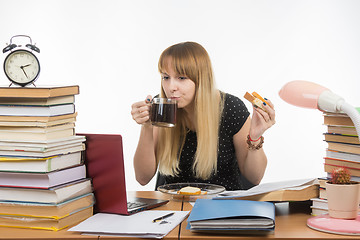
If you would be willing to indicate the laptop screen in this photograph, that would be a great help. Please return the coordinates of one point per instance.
(104, 161)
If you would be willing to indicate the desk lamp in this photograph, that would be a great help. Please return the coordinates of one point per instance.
(311, 95)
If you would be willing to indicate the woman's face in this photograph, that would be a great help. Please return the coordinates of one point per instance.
(178, 87)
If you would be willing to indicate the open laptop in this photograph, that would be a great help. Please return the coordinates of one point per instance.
(105, 166)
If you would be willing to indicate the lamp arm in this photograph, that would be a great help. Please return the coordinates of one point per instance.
(353, 114)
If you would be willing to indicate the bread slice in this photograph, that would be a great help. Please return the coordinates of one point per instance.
(189, 190)
(254, 100)
(255, 94)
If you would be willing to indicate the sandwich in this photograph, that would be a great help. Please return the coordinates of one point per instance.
(256, 100)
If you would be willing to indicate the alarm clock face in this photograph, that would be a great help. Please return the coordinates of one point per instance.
(21, 67)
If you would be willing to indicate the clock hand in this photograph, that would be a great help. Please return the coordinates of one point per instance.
(22, 68)
(26, 65)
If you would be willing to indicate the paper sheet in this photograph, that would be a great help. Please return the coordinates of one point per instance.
(137, 225)
(268, 187)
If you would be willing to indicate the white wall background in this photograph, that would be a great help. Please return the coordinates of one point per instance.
(111, 48)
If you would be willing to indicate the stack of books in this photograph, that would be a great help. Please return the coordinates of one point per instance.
(343, 151)
(43, 182)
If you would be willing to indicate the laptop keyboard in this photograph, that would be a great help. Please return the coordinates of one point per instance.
(131, 205)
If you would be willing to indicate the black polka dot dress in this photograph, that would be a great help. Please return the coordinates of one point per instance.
(228, 173)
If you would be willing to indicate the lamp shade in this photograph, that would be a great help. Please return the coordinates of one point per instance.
(307, 94)
(302, 93)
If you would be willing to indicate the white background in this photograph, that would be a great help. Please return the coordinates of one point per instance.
(111, 48)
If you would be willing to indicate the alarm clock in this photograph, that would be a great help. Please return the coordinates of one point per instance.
(21, 66)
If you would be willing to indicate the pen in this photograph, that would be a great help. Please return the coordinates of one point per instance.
(163, 217)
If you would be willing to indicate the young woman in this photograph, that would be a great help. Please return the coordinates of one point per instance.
(214, 140)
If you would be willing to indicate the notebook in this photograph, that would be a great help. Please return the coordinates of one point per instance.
(105, 166)
(232, 216)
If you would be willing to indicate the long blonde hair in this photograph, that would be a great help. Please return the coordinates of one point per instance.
(190, 59)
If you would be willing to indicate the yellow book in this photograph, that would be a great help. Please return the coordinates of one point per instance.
(46, 223)
(46, 210)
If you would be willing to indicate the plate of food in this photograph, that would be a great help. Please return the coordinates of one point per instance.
(191, 191)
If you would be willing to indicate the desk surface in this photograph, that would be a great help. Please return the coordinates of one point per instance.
(290, 224)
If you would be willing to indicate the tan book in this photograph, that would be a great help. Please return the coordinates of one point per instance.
(343, 163)
(47, 210)
(52, 152)
(46, 135)
(5, 129)
(322, 182)
(344, 147)
(340, 119)
(342, 138)
(36, 119)
(46, 223)
(37, 124)
(344, 130)
(38, 92)
(37, 101)
(322, 193)
(353, 171)
(311, 191)
(41, 146)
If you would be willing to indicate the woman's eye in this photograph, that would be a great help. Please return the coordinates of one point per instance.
(165, 77)
(182, 78)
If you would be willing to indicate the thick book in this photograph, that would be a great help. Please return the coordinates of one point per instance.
(341, 138)
(42, 180)
(47, 210)
(40, 164)
(343, 130)
(343, 163)
(53, 224)
(33, 121)
(37, 123)
(36, 111)
(232, 216)
(40, 145)
(52, 195)
(344, 147)
(38, 92)
(37, 133)
(340, 119)
(38, 101)
(42, 154)
(342, 155)
(48, 135)
(35, 129)
(354, 171)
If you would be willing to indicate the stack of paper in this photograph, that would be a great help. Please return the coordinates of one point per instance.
(292, 190)
(139, 225)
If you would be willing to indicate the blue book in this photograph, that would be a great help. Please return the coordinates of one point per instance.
(232, 216)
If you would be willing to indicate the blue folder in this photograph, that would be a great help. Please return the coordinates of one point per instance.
(236, 216)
